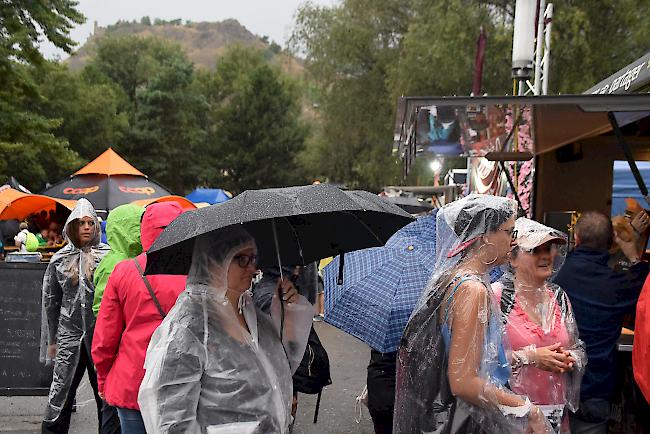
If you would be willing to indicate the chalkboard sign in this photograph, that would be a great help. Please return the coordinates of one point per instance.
(21, 372)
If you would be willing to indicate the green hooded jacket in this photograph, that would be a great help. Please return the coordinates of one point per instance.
(123, 235)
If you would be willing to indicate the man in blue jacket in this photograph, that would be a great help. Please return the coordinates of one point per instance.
(600, 297)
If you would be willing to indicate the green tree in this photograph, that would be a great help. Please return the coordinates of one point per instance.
(349, 50)
(89, 113)
(23, 22)
(130, 62)
(169, 131)
(257, 133)
(438, 50)
(592, 39)
(361, 55)
(29, 149)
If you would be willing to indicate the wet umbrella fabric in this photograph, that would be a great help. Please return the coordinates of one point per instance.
(382, 286)
(409, 204)
(311, 222)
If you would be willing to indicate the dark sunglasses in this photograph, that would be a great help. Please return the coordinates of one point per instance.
(245, 260)
(512, 232)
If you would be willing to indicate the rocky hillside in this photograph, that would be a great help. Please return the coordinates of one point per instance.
(204, 42)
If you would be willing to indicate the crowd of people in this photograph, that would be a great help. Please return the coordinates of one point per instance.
(44, 229)
(528, 349)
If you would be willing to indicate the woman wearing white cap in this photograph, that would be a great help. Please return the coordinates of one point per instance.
(548, 358)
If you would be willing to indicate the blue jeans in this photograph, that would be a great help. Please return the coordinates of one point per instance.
(131, 421)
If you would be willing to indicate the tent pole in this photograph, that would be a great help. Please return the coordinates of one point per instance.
(628, 156)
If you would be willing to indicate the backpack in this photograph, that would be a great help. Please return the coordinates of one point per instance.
(31, 243)
(423, 398)
(313, 374)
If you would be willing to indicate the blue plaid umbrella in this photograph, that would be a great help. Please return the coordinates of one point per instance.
(381, 285)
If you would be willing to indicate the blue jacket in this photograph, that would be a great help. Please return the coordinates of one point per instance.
(600, 297)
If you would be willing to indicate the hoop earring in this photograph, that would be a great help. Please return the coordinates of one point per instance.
(496, 256)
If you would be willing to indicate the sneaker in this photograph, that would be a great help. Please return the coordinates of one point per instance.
(318, 318)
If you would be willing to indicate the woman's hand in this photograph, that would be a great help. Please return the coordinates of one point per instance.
(633, 249)
(537, 422)
(289, 291)
(552, 358)
(51, 351)
(640, 222)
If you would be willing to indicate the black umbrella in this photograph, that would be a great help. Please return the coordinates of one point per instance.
(409, 204)
(293, 225)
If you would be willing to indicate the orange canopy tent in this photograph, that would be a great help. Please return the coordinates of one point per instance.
(107, 182)
(109, 163)
(17, 205)
(185, 203)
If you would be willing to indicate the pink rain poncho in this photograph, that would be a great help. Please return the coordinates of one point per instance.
(537, 316)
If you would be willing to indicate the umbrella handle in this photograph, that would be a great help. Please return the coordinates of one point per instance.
(339, 281)
(277, 251)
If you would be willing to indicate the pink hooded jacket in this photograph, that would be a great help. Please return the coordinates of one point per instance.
(128, 315)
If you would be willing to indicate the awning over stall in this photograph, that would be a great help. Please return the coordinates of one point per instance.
(16, 205)
(475, 126)
(484, 127)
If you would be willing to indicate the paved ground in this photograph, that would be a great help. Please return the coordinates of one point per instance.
(348, 359)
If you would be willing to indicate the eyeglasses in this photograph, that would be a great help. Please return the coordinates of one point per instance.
(245, 260)
(512, 232)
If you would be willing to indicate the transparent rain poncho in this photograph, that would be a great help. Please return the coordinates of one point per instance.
(67, 317)
(205, 373)
(452, 362)
(537, 316)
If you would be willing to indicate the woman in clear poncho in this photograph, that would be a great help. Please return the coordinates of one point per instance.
(68, 321)
(452, 368)
(216, 364)
(548, 358)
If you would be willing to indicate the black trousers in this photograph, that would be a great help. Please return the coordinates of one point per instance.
(381, 390)
(110, 420)
(62, 423)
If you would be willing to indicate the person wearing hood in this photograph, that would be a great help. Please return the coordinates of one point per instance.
(123, 235)
(217, 363)
(452, 368)
(548, 358)
(68, 321)
(122, 229)
(129, 315)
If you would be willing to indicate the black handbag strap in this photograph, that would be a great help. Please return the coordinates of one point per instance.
(151, 293)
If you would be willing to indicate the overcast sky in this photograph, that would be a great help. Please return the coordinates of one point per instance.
(273, 18)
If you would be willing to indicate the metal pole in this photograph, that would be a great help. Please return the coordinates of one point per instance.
(522, 87)
(628, 156)
(547, 48)
(539, 46)
(522, 210)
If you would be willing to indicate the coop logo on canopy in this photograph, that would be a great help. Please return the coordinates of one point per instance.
(137, 190)
(80, 191)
